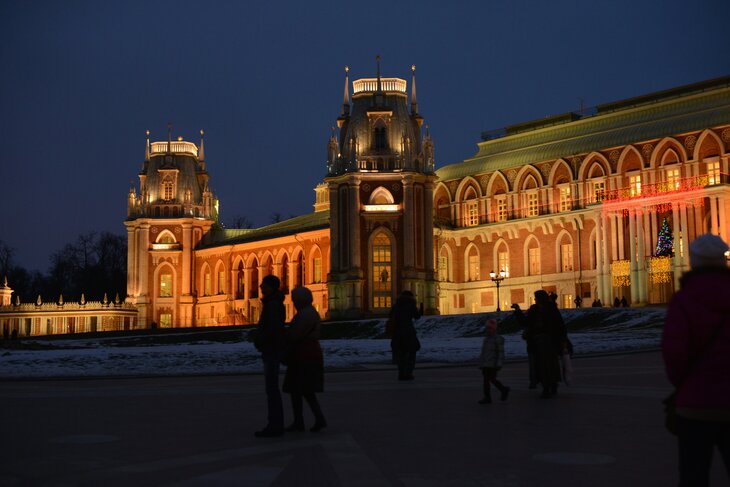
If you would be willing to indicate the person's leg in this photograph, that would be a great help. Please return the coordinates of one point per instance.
(297, 412)
(273, 395)
(410, 364)
(504, 390)
(696, 443)
(531, 365)
(319, 421)
(487, 375)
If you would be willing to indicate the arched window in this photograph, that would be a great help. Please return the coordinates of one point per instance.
(239, 281)
(443, 265)
(471, 208)
(533, 258)
(380, 138)
(566, 256)
(165, 284)
(472, 264)
(382, 277)
(207, 288)
(316, 266)
(285, 274)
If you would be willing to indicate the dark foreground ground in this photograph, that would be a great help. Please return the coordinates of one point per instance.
(605, 430)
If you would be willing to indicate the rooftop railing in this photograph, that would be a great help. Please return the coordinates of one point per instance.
(371, 85)
(177, 146)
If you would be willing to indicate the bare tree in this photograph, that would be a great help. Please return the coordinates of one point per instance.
(240, 221)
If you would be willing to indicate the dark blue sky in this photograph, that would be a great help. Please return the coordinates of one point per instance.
(81, 81)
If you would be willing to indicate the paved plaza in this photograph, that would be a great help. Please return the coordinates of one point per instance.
(604, 430)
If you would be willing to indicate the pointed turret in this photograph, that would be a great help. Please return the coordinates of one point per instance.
(346, 95)
(169, 137)
(414, 101)
(201, 151)
(147, 148)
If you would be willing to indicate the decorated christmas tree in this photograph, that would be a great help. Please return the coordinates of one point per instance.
(664, 243)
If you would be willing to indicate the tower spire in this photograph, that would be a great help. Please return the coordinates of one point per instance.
(201, 151)
(377, 60)
(414, 101)
(346, 96)
(147, 147)
(169, 136)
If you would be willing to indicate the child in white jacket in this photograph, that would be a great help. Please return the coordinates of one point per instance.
(490, 361)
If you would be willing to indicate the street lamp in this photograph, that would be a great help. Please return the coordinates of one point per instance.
(497, 279)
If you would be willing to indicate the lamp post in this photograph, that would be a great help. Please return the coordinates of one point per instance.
(497, 279)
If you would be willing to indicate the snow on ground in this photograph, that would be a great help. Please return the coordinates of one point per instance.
(452, 339)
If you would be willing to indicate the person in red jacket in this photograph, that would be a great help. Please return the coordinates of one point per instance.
(696, 350)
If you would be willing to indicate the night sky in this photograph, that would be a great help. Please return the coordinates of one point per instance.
(81, 81)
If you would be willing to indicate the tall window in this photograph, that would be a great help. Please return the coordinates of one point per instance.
(443, 267)
(533, 261)
(599, 188)
(501, 214)
(221, 282)
(473, 265)
(317, 264)
(532, 209)
(165, 285)
(566, 257)
(566, 203)
(206, 284)
(635, 185)
(503, 261)
(167, 190)
(380, 142)
(472, 213)
(713, 173)
(382, 277)
(165, 320)
(673, 179)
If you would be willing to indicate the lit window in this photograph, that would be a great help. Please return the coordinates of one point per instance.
(165, 320)
(635, 185)
(566, 257)
(206, 284)
(167, 190)
(533, 258)
(474, 266)
(566, 203)
(501, 214)
(503, 260)
(317, 269)
(472, 213)
(713, 173)
(599, 189)
(165, 285)
(382, 271)
(221, 282)
(443, 268)
(532, 209)
(673, 179)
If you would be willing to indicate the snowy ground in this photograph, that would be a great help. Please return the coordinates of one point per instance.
(452, 339)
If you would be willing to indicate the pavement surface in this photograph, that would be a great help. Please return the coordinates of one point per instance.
(606, 429)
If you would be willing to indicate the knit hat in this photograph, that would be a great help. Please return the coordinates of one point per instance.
(707, 251)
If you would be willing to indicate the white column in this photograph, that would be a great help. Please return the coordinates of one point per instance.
(131, 267)
(685, 234)
(427, 226)
(634, 275)
(677, 257)
(143, 248)
(620, 220)
(354, 189)
(724, 230)
(334, 230)
(599, 260)
(614, 239)
(408, 233)
(187, 258)
(641, 259)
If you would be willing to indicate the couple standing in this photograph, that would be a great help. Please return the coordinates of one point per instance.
(297, 345)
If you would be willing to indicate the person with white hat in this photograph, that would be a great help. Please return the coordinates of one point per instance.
(696, 350)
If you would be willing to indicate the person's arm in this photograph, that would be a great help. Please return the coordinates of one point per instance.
(675, 343)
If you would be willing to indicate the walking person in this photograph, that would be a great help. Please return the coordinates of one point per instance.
(405, 342)
(490, 362)
(305, 365)
(269, 340)
(696, 351)
(545, 333)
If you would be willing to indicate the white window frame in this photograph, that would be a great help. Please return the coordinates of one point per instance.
(533, 261)
(532, 206)
(565, 202)
(501, 205)
(634, 183)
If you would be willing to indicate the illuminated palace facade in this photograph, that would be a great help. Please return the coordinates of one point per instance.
(572, 204)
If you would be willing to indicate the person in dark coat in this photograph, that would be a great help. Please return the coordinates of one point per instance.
(305, 364)
(491, 360)
(624, 302)
(616, 302)
(269, 340)
(405, 342)
(546, 335)
(696, 351)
